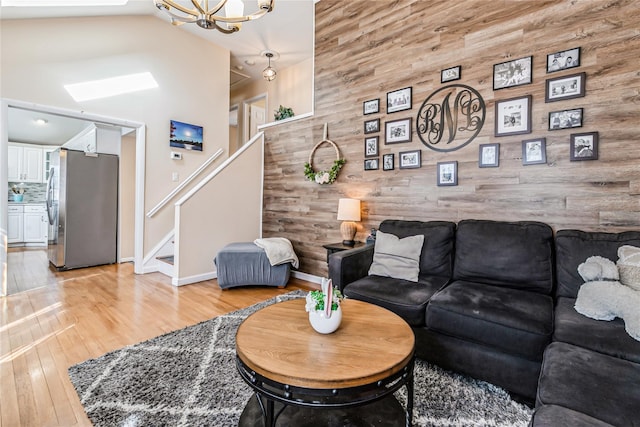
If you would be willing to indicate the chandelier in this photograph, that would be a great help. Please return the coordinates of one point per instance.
(206, 17)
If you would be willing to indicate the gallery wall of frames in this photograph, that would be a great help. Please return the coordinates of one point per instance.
(527, 111)
(512, 117)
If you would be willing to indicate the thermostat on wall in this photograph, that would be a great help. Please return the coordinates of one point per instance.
(176, 156)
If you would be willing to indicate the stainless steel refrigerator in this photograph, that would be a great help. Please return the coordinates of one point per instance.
(82, 205)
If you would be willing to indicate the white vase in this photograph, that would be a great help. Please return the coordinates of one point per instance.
(320, 323)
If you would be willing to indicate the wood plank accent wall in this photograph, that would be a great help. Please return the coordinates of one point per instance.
(366, 48)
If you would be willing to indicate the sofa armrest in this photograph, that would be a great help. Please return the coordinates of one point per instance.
(350, 265)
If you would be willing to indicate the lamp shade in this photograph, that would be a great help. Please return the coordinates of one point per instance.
(349, 210)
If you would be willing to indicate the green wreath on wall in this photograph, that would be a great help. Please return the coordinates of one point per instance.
(328, 176)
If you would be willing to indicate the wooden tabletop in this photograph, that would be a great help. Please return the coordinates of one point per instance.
(371, 344)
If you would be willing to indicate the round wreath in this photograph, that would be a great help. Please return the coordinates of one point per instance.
(324, 177)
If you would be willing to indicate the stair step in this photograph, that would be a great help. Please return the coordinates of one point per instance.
(168, 259)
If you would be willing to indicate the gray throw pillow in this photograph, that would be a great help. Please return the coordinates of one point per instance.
(397, 258)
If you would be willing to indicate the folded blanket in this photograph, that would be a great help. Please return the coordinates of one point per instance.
(279, 250)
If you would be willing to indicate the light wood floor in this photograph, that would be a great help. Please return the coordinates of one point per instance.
(76, 315)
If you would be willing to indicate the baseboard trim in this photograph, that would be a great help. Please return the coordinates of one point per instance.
(214, 275)
(308, 277)
(150, 269)
(194, 279)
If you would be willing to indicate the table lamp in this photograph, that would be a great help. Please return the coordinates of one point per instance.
(348, 212)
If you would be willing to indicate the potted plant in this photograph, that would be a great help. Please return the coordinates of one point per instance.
(283, 113)
(325, 313)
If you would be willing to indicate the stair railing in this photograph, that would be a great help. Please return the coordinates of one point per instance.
(186, 182)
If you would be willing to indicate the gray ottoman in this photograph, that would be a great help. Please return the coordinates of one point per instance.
(246, 264)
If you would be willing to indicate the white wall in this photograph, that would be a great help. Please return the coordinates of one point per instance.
(237, 217)
(40, 56)
(293, 87)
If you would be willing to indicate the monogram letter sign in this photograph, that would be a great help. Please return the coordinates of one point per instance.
(450, 118)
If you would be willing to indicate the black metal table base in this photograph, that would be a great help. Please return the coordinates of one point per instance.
(374, 404)
(387, 412)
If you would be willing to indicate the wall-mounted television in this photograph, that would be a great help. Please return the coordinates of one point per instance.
(185, 135)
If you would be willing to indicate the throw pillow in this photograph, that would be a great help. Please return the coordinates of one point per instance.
(629, 266)
(397, 258)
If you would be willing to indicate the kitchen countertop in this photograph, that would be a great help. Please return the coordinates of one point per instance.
(11, 202)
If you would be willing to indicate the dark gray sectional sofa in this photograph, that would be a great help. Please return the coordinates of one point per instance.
(591, 371)
(494, 300)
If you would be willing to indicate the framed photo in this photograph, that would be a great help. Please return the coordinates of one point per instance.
(534, 151)
(410, 159)
(513, 116)
(397, 131)
(584, 146)
(185, 135)
(371, 146)
(489, 156)
(371, 164)
(450, 74)
(512, 73)
(399, 100)
(563, 60)
(370, 107)
(565, 119)
(388, 161)
(565, 87)
(372, 126)
(447, 173)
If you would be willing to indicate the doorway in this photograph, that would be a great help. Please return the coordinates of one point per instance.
(255, 114)
(139, 150)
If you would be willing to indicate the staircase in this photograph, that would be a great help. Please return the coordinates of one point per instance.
(165, 265)
(204, 213)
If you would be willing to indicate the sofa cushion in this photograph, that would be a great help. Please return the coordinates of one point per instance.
(436, 258)
(573, 247)
(407, 299)
(608, 337)
(514, 321)
(513, 254)
(396, 257)
(553, 415)
(594, 384)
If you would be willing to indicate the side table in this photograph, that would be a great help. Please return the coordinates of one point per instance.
(339, 247)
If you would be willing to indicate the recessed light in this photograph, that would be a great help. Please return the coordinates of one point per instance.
(41, 122)
(250, 62)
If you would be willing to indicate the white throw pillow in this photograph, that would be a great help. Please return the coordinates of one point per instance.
(397, 258)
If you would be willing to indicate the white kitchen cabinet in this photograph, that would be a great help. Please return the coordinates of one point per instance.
(46, 162)
(35, 224)
(28, 225)
(25, 163)
(84, 141)
(15, 224)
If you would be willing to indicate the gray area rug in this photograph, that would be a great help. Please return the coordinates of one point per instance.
(189, 378)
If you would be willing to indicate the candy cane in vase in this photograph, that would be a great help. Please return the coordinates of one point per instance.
(328, 299)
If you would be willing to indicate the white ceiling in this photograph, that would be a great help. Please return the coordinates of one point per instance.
(288, 30)
(58, 130)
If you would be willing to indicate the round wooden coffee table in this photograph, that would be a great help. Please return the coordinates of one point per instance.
(348, 377)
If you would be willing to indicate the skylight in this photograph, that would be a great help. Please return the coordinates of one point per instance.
(34, 3)
(113, 86)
